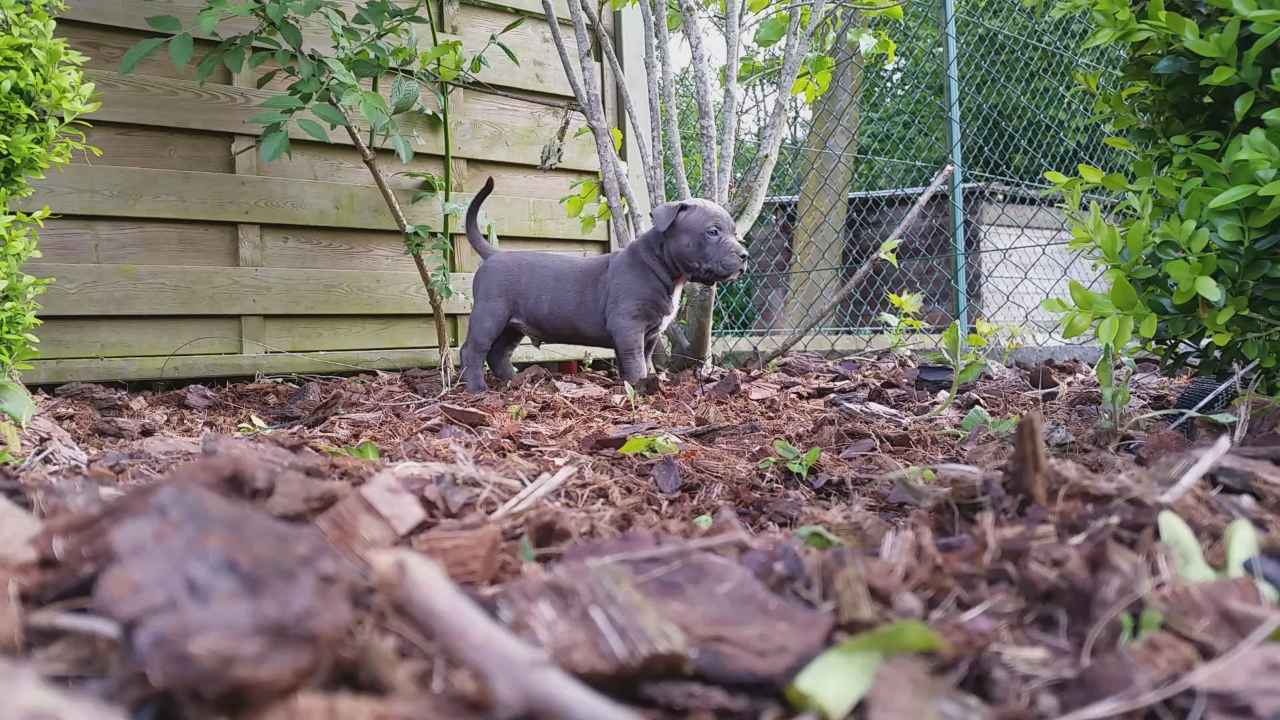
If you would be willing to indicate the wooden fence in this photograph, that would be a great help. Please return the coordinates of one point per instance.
(175, 255)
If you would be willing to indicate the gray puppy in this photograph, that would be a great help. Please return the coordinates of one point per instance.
(623, 300)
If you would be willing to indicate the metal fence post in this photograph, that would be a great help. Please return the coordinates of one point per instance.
(957, 178)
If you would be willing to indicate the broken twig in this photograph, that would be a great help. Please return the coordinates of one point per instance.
(1198, 470)
(520, 680)
(856, 281)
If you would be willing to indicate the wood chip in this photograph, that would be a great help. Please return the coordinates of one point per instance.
(376, 516)
(666, 475)
(467, 555)
(465, 416)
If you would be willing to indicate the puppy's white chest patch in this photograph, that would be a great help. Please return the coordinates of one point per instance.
(676, 294)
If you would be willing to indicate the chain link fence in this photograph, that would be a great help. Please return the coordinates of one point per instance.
(987, 246)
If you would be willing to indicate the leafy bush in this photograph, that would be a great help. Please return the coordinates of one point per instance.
(1190, 239)
(42, 96)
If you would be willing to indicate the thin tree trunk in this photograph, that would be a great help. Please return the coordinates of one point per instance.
(652, 176)
(588, 94)
(818, 241)
(653, 82)
(437, 304)
(729, 113)
(746, 204)
(675, 147)
(702, 94)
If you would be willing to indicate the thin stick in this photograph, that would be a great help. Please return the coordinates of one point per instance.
(1234, 380)
(1197, 471)
(520, 680)
(854, 282)
(1114, 706)
(534, 492)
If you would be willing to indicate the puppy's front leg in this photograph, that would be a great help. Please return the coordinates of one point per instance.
(630, 350)
(650, 344)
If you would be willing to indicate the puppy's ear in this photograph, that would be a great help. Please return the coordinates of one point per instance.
(665, 214)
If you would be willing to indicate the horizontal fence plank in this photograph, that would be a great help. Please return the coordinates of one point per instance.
(217, 197)
(97, 290)
(46, 372)
(159, 148)
(539, 68)
(135, 242)
(126, 337)
(171, 103)
(105, 48)
(360, 332)
(325, 248)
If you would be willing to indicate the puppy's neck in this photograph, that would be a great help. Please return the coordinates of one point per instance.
(657, 259)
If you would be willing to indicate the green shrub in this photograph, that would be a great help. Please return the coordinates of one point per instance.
(42, 95)
(1190, 241)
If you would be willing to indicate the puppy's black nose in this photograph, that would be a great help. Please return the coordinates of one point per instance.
(743, 253)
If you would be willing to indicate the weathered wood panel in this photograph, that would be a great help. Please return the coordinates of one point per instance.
(175, 255)
(217, 197)
(223, 108)
(124, 337)
(302, 334)
(325, 248)
(159, 148)
(135, 242)
(539, 67)
(105, 47)
(100, 290)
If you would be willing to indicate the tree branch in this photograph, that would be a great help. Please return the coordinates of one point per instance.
(854, 282)
(588, 95)
(653, 84)
(675, 146)
(729, 113)
(653, 179)
(702, 94)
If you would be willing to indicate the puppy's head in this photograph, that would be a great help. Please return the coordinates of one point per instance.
(700, 240)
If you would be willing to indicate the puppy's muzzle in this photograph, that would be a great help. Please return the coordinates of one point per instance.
(729, 265)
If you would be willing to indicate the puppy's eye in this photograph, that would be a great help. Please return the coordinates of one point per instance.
(713, 233)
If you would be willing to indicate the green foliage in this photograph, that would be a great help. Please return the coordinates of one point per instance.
(586, 204)
(966, 364)
(786, 454)
(906, 319)
(817, 536)
(649, 446)
(1240, 540)
(978, 417)
(1149, 621)
(703, 522)
(42, 98)
(1115, 395)
(365, 451)
(380, 40)
(832, 683)
(1190, 243)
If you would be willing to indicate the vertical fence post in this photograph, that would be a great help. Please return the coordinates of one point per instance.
(957, 178)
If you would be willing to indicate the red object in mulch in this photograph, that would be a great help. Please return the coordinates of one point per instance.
(568, 367)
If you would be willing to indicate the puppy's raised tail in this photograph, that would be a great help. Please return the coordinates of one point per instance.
(474, 236)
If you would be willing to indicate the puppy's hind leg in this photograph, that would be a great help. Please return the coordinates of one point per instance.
(500, 353)
(481, 335)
